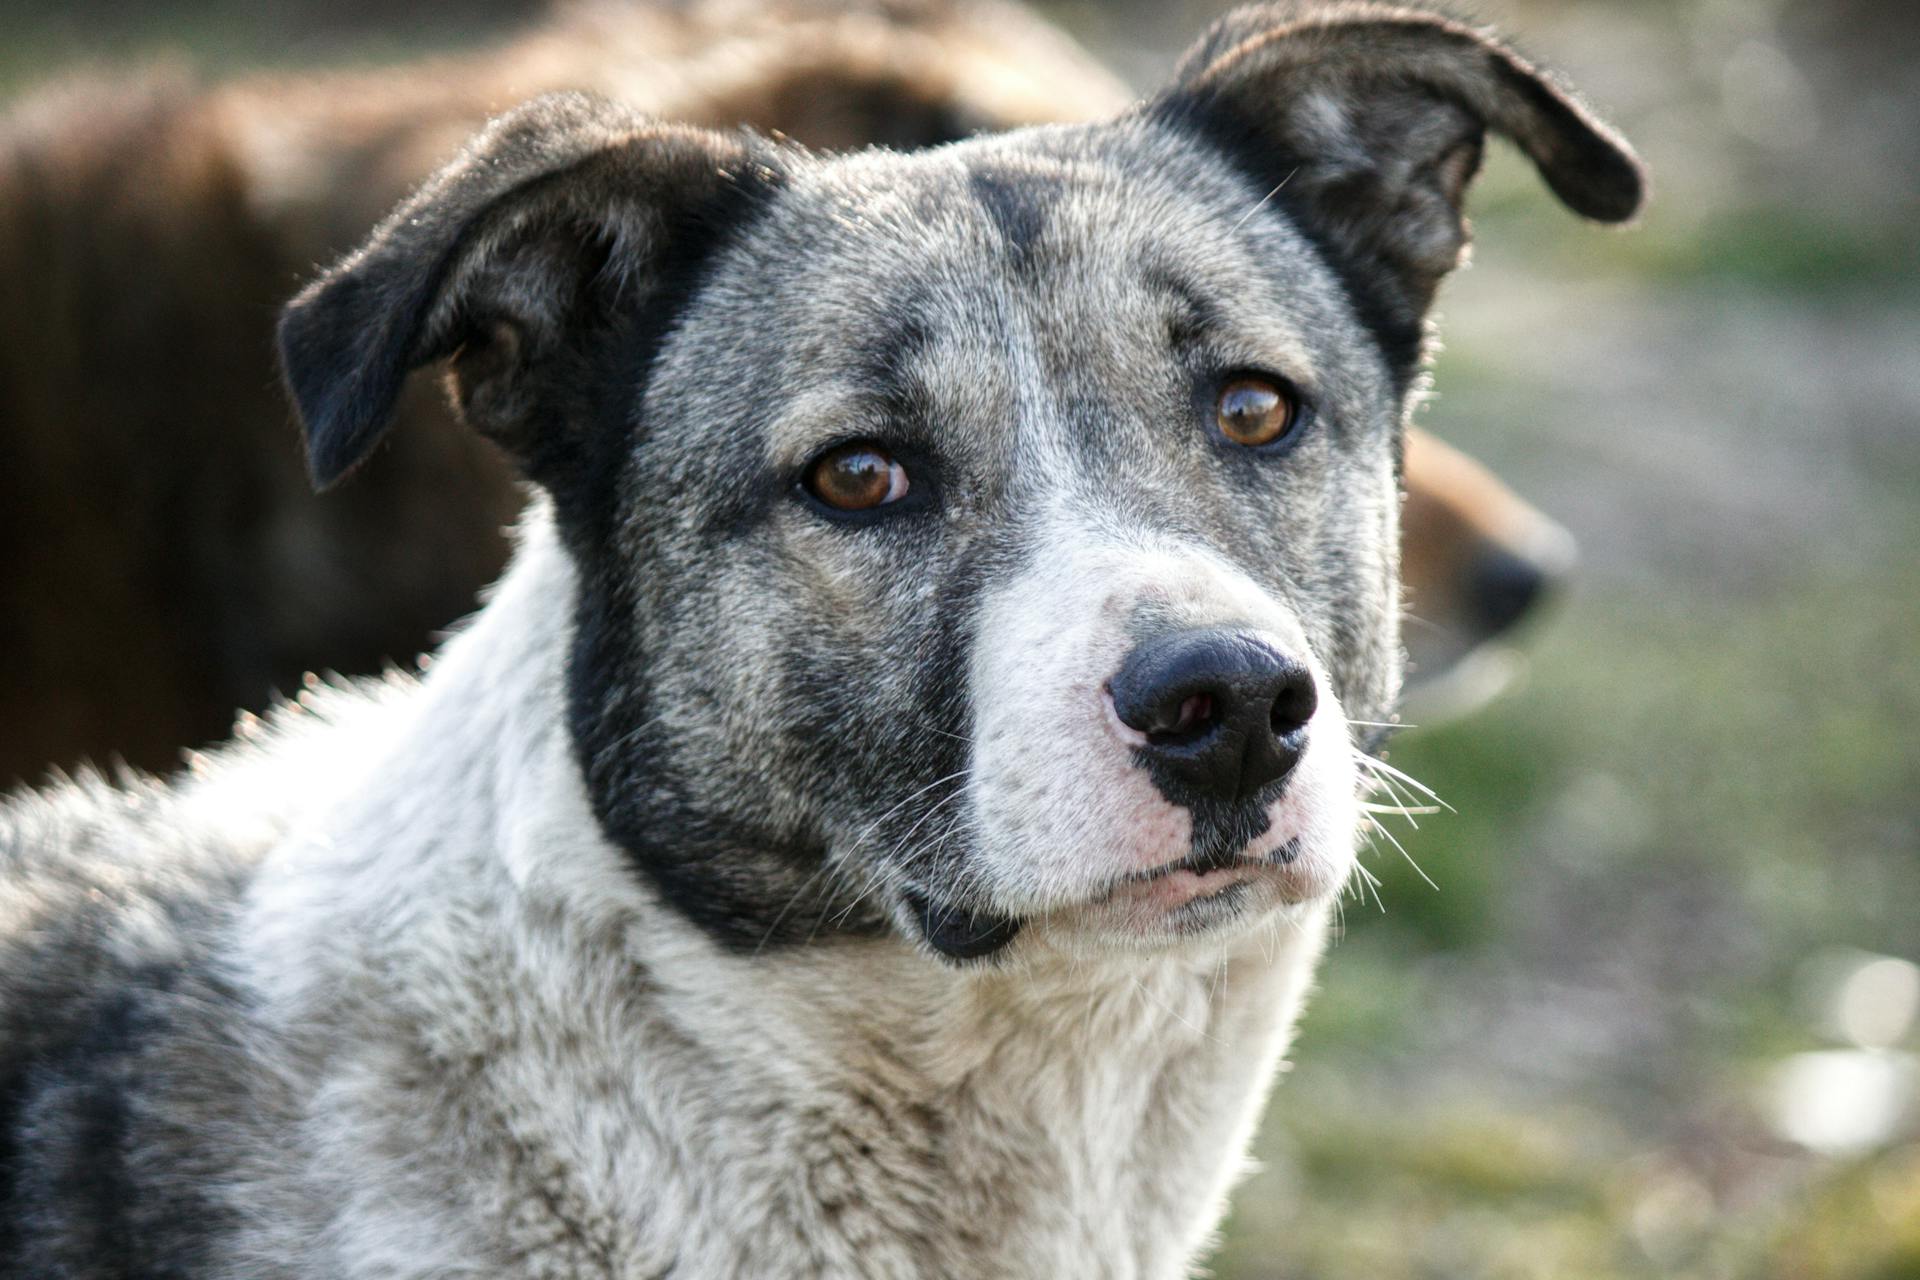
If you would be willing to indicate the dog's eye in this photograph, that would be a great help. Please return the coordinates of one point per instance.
(1255, 411)
(857, 477)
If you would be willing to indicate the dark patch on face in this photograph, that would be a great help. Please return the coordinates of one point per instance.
(1193, 314)
(746, 886)
(1223, 829)
(920, 741)
(745, 889)
(1016, 203)
(886, 361)
(718, 876)
(606, 372)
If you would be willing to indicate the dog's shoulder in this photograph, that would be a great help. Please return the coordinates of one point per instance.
(97, 880)
(112, 885)
(109, 1018)
(130, 1075)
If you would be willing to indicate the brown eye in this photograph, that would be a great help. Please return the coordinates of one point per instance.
(857, 477)
(1255, 411)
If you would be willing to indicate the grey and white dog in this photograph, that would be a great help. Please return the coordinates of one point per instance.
(885, 820)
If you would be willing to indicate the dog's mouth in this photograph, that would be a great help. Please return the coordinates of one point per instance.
(1191, 886)
(1208, 862)
(967, 933)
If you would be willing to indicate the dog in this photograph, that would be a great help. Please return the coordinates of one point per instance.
(885, 819)
(172, 564)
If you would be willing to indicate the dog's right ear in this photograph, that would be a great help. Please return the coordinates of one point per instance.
(561, 216)
(1364, 120)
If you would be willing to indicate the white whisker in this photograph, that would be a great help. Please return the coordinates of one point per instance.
(1409, 857)
(1263, 201)
(871, 827)
(1376, 764)
(1405, 811)
(1401, 802)
(1368, 881)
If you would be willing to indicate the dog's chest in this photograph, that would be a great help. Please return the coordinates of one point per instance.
(1080, 1134)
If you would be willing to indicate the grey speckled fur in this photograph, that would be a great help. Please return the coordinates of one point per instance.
(618, 944)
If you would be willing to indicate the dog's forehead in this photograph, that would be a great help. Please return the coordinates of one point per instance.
(1065, 219)
(1050, 255)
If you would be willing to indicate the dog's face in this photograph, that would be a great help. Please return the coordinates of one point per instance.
(956, 508)
(993, 540)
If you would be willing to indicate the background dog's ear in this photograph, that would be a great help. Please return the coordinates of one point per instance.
(1372, 116)
(563, 217)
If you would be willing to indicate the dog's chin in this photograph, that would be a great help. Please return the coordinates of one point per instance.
(1192, 899)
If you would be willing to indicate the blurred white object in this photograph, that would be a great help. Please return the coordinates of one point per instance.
(1843, 1101)
(1860, 998)
(1875, 1006)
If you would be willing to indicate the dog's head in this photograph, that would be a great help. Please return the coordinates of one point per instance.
(997, 537)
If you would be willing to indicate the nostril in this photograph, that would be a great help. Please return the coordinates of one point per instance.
(1295, 704)
(1194, 716)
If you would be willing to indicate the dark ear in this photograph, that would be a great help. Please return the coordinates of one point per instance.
(1372, 115)
(561, 217)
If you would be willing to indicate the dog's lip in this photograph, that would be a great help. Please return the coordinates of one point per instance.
(965, 934)
(1204, 865)
(1173, 885)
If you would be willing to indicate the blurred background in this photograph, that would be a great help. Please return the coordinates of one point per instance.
(1656, 1014)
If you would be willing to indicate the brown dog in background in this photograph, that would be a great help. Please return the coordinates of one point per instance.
(168, 561)
(1476, 558)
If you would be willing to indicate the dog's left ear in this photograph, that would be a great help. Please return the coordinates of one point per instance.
(1369, 118)
(563, 220)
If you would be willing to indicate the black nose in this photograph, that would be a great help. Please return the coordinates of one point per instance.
(1502, 587)
(1225, 712)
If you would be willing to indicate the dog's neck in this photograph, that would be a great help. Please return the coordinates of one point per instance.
(470, 973)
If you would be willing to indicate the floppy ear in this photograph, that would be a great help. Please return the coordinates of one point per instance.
(562, 218)
(1372, 116)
